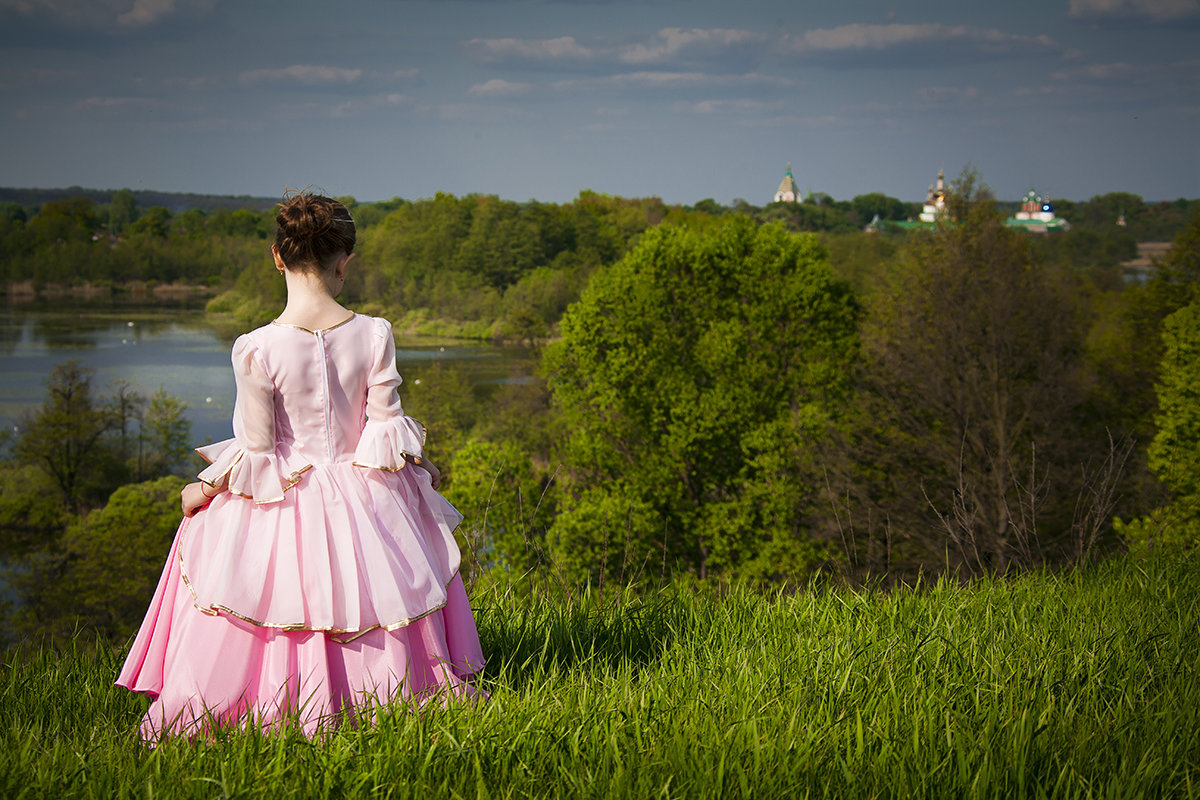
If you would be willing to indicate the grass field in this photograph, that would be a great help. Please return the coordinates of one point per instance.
(1081, 684)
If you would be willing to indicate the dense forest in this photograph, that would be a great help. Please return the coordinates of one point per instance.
(477, 266)
(743, 393)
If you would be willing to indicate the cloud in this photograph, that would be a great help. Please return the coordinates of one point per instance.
(499, 88)
(480, 113)
(38, 77)
(738, 106)
(1149, 12)
(910, 45)
(145, 12)
(675, 44)
(564, 48)
(362, 82)
(670, 80)
(790, 121)
(947, 94)
(106, 14)
(668, 47)
(306, 74)
(1121, 73)
(342, 108)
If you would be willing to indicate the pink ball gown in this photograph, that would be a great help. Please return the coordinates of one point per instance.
(326, 579)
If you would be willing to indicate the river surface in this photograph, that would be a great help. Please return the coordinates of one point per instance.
(182, 352)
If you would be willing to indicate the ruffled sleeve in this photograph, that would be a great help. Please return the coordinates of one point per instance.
(390, 438)
(248, 464)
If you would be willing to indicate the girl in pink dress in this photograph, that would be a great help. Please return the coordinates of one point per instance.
(315, 571)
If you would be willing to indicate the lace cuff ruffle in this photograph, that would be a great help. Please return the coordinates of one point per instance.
(389, 444)
(257, 476)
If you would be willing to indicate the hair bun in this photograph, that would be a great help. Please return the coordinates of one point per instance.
(305, 218)
(311, 230)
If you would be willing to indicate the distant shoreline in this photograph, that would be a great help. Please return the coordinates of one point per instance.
(28, 292)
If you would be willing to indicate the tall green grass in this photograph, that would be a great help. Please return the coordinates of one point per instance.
(1081, 684)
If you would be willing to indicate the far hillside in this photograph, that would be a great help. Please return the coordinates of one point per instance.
(176, 202)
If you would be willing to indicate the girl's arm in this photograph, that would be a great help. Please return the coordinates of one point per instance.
(435, 474)
(391, 440)
(197, 495)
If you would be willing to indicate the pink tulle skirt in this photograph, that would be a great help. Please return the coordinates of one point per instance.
(204, 669)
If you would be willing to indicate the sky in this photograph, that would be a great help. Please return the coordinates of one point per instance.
(542, 99)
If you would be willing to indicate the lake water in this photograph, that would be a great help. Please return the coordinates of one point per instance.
(180, 351)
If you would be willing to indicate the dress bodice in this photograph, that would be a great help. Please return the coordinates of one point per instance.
(308, 398)
(320, 381)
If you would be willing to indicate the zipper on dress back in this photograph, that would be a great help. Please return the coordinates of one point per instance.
(325, 397)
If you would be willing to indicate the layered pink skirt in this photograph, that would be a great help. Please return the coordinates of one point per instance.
(341, 598)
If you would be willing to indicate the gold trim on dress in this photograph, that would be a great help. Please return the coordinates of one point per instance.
(224, 476)
(318, 330)
(406, 456)
(296, 476)
(214, 609)
(290, 480)
(379, 466)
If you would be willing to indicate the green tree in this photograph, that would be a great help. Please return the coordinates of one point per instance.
(164, 447)
(1103, 211)
(496, 487)
(191, 223)
(64, 437)
(1126, 346)
(240, 224)
(126, 408)
(107, 565)
(14, 241)
(671, 372)
(88, 445)
(867, 206)
(441, 398)
(13, 212)
(64, 221)
(122, 211)
(155, 223)
(1167, 303)
(1175, 452)
(973, 439)
(710, 206)
(31, 514)
(1177, 281)
(520, 411)
(502, 243)
(862, 260)
(968, 195)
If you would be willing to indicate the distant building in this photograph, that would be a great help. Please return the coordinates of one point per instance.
(935, 200)
(788, 192)
(1037, 215)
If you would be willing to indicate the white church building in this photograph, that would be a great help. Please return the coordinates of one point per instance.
(788, 192)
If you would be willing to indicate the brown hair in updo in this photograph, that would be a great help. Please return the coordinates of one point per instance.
(311, 230)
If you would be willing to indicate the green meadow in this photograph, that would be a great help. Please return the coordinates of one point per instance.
(1070, 684)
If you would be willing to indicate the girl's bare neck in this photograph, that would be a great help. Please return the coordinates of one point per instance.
(310, 305)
